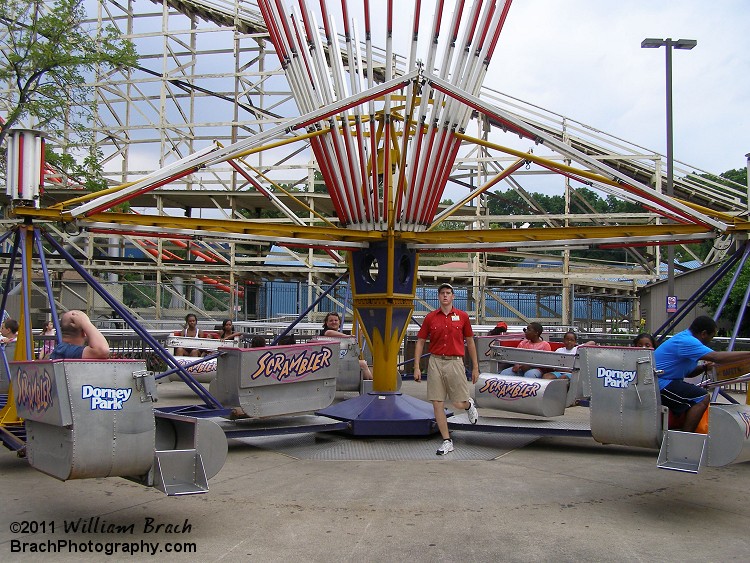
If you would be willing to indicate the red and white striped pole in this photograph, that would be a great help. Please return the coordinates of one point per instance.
(25, 171)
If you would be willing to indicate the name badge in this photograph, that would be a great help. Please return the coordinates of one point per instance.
(454, 318)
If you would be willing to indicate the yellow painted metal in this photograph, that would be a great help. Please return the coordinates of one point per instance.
(92, 195)
(247, 227)
(544, 161)
(385, 346)
(282, 142)
(195, 224)
(724, 217)
(84, 198)
(291, 195)
(8, 414)
(480, 190)
(21, 340)
(558, 233)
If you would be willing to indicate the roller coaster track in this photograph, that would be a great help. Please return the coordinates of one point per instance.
(634, 161)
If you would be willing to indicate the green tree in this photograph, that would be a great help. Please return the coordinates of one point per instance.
(731, 309)
(712, 300)
(48, 61)
(737, 175)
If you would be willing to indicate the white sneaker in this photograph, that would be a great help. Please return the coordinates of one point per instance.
(472, 412)
(446, 448)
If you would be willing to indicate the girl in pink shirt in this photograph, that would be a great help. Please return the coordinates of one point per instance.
(533, 341)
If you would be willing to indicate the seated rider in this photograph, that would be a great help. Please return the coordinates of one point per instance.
(677, 358)
(257, 341)
(570, 342)
(500, 329)
(190, 329)
(227, 331)
(286, 340)
(9, 331)
(80, 339)
(532, 341)
(644, 340)
(331, 326)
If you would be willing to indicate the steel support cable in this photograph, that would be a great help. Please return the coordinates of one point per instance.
(441, 114)
(340, 138)
(187, 87)
(358, 85)
(428, 115)
(409, 104)
(466, 76)
(354, 158)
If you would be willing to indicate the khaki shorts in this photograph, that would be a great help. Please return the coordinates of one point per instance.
(446, 376)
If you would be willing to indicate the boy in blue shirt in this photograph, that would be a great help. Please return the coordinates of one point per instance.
(678, 358)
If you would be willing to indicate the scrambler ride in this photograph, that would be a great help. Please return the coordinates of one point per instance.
(620, 387)
(386, 152)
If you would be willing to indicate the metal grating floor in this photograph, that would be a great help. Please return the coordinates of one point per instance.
(469, 446)
(568, 425)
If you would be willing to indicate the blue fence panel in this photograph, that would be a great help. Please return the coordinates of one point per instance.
(284, 298)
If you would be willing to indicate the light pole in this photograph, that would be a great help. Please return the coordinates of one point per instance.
(669, 44)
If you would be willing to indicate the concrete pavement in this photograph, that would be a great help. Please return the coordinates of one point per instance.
(555, 499)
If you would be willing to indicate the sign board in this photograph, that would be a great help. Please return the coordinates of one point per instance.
(671, 303)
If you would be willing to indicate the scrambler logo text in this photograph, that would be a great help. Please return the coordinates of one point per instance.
(510, 390)
(279, 366)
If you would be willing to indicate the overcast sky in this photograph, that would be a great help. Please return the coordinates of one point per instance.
(582, 58)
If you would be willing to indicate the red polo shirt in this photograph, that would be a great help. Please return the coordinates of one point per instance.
(446, 333)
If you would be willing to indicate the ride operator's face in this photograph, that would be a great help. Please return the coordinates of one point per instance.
(446, 297)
